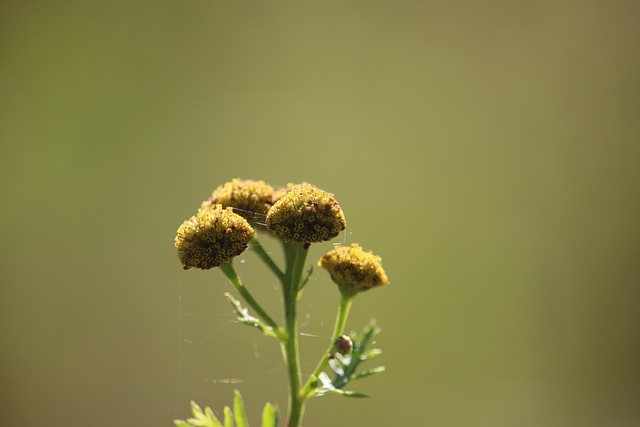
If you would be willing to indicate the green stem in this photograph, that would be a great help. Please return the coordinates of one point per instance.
(257, 247)
(230, 272)
(296, 255)
(346, 300)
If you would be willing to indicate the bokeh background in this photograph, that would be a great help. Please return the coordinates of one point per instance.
(488, 151)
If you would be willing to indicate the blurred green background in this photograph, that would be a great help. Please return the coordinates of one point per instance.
(488, 151)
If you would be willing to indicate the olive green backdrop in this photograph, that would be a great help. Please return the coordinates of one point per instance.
(488, 151)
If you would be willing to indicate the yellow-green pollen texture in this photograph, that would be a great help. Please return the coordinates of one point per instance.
(249, 199)
(280, 192)
(306, 215)
(211, 237)
(353, 269)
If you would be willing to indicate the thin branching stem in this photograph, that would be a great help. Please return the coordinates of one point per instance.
(257, 247)
(230, 272)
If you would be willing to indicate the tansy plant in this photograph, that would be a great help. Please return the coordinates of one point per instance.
(297, 216)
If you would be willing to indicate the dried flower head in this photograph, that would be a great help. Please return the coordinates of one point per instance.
(306, 215)
(211, 237)
(353, 269)
(249, 199)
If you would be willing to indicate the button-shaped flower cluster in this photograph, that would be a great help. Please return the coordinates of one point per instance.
(211, 237)
(248, 198)
(353, 269)
(306, 215)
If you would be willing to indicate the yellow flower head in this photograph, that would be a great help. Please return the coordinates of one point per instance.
(353, 269)
(306, 215)
(280, 192)
(249, 199)
(211, 237)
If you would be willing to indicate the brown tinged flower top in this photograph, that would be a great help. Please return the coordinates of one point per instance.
(249, 199)
(211, 237)
(306, 214)
(353, 269)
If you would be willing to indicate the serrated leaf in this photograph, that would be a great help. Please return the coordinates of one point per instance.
(371, 354)
(269, 416)
(200, 418)
(235, 418)
(196, 411)
(239, 411)
(345, 367)
(347, 393)
(214, 422)
(368, 373)
(245, 318)
(228, 417)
